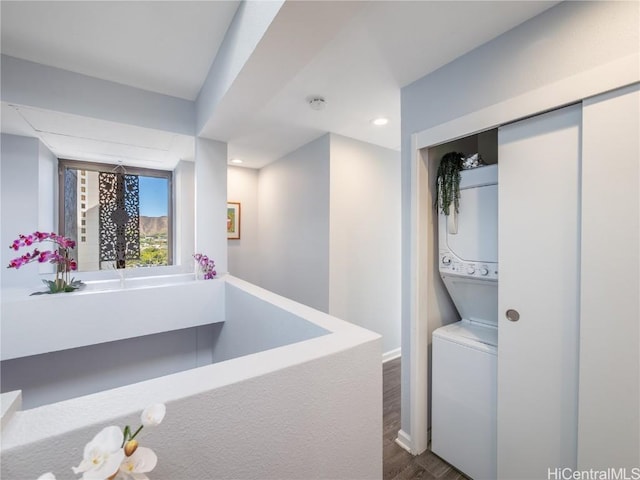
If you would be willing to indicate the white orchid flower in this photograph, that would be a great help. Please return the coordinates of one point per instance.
(153, 415)
(47, 476)
(102, 455)
(143, 460)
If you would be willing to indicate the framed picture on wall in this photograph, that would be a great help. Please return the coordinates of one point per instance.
(233, 220)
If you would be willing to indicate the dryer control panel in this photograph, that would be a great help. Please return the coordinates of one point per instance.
(449, 263)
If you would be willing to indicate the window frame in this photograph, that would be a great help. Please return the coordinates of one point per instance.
(64, 164)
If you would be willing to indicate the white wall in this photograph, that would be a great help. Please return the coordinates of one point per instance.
(270, 326)
(570, 38)
(330, 211)
(242, 186)
(211, 201)
(47, 190)
(364, 277)
(183, 214)
(29, 201)
(293, 225)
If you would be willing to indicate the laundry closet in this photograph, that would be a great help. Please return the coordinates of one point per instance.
(464, 353)
(567, 184)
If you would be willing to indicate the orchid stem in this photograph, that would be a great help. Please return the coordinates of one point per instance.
(136, 432)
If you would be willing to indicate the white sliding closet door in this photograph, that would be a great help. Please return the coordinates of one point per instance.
(609, 430)
(539, 270)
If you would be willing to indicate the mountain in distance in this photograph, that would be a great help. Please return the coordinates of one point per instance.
(153, 225)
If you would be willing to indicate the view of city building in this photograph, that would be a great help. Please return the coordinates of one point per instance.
(154, 227)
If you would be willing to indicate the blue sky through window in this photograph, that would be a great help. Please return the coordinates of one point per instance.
(153, 196)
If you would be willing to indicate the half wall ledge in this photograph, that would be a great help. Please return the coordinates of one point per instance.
(306, 404)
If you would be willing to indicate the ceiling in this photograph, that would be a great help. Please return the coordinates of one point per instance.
(357, 55)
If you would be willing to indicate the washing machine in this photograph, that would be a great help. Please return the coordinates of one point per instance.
(464, 361)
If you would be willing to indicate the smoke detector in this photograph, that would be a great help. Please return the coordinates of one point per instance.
(316, 102)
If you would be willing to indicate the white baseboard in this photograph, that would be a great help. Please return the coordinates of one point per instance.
(404, 440)
(391, 355)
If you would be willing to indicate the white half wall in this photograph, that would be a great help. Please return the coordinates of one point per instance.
(305, 410)
(56, 376)
(243, 257)
(293, 225)
(364, 277)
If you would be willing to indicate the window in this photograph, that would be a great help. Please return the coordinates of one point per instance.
(122, 213)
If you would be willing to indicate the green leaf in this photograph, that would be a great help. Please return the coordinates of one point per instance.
(52, 287)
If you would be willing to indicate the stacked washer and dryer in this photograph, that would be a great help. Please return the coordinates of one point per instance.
(464, 387)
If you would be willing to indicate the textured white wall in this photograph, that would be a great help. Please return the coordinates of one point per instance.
(293, 225)
(364, 278)
(311, 410)
(242, 186)
(570, 38)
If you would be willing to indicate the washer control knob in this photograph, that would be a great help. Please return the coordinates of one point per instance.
(446, 260)
(471, 269)
(484, 271)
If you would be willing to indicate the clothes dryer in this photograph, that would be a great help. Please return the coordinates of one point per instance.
(464, 387)
(468, 240)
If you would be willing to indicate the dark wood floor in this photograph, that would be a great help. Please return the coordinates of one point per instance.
(398, 464)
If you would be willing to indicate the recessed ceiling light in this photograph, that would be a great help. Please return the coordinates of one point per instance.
(380, 121)
(237, 161)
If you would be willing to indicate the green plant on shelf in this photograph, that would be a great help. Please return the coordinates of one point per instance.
(448, 182)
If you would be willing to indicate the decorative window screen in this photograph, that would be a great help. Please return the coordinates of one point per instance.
(119, 217)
